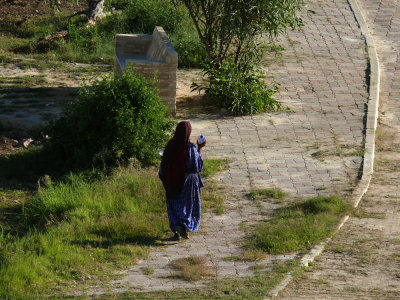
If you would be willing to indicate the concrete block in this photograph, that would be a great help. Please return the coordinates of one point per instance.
(151, 55)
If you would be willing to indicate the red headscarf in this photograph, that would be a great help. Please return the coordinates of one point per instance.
(175, 158)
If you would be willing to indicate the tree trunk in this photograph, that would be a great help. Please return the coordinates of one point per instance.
(95, 11)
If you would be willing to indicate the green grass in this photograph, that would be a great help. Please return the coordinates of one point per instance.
(80, 229)
(96, 44)
(275, 193)
(213, 166)
(22, 81)
(21, 170)
(147, 270)
(212, 196)
(76, 230)
(300, 226)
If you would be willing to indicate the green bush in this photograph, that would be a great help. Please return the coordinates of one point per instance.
(116, 119)
(191, 52)
(141, 16)
(240, 91)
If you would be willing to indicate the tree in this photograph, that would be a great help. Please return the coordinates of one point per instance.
(233, 32)
(235, 29)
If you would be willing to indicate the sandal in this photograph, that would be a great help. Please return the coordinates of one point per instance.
(181, 230)
(177, 236)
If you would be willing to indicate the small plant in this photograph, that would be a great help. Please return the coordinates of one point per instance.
(192, 268)
(147, 270)
(239, 90)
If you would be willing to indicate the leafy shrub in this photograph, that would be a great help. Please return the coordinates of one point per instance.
(142, 16)
(240, 91)
(191, 52)
(116, 119)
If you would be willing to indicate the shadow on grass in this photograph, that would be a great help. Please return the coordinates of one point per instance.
(23, 170)
(137, 241)
(28, 169)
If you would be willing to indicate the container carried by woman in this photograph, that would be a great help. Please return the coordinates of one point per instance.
(179, 171)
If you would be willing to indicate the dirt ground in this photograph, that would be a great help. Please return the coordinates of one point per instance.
(44, 98)
(27, 8)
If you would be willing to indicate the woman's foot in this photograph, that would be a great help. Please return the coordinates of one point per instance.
(181, 230)
(177, 236)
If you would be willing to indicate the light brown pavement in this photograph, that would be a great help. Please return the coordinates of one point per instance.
(363, 260)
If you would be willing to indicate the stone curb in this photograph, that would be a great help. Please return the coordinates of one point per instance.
(369, 143)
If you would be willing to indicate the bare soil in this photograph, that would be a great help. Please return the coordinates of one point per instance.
(31, 8)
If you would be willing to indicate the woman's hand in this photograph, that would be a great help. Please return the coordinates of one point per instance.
(200, 146)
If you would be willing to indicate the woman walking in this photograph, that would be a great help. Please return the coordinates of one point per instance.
(179, 172)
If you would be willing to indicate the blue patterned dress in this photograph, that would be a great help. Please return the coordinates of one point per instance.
(185, 208)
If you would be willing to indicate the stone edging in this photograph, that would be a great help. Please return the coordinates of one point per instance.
(369, 143)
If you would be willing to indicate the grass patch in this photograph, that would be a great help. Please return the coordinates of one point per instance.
(21, 170)
(248, 255)
(384, 137)
(147, 270)
(275, 193)
(192, 268)
(81, 229)
(212, 194)
(96, 44)
(76, 229)
(22, 81)
(212, 197)
(363, 214)
(213, 166)
(299, 226)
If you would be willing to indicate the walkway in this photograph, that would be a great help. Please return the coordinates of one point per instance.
(363, 260)
(316, 149)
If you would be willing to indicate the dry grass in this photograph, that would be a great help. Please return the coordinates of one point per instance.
(248, 255)
(192, 268)
(253, 255)
(384, 137)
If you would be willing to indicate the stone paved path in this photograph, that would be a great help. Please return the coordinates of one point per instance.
(314, 150)
(363, 260)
